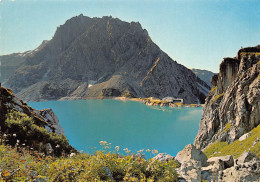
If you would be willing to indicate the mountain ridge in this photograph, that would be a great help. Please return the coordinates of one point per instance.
(101, 54)
(204, 75)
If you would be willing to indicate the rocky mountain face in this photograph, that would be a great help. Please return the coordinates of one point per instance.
(103, 57)
(9, 63)
(232, 107)
(204, 75)
(23, 126)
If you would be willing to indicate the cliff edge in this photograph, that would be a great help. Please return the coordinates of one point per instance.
(232, 107)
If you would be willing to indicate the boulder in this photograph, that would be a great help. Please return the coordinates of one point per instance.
(243, 137)
(249, 171)
(227, 160)
(190, 170)
(162, 157)
(245, 157)
(72, 155)
(256, 141)
(190, 152)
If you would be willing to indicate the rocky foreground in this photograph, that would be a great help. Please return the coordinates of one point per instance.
(196, 167)
(227, 146)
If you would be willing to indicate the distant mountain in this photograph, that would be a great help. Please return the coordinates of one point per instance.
(204, 75)
(9, 63)
(100, 58)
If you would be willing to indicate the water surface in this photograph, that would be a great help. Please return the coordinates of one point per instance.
(131, 125)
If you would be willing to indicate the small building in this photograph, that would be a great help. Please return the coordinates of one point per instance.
(172, 100)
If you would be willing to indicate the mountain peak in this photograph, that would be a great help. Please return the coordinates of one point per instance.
(88, 56)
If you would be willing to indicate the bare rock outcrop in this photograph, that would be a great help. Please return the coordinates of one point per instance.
(222, 168)
(232, 108)
(191, 153)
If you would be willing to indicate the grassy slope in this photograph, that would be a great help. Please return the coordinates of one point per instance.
(236, 148)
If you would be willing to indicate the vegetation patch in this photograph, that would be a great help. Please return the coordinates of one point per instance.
(249, 53)
(213, 89)
(236, 148)
(101, 166)
(217, 97)
(227, 127)
(29, 132)
(179, 104)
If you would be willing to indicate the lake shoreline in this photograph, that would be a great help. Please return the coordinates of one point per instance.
(157, 102)
(147, 101)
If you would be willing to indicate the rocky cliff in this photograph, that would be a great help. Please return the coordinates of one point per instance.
(103, 57)
(232, 107)
(23, 126)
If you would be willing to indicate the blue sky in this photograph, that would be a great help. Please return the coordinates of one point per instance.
(195, 33)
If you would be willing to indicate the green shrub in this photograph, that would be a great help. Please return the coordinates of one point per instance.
(28, 131)
(83, 167)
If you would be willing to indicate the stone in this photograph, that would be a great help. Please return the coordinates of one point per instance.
(249, 171)
(243, 137)
(72, 155)
(190, 152)
(162, 157)
(246, 157)
(228, 161)
(190, 170)
(210, 175)
(256, 141)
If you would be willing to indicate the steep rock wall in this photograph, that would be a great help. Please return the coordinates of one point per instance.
(232, 107)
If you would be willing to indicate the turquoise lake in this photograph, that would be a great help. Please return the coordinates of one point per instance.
(129, 124)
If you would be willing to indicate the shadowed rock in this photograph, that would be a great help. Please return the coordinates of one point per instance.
(103, 57)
